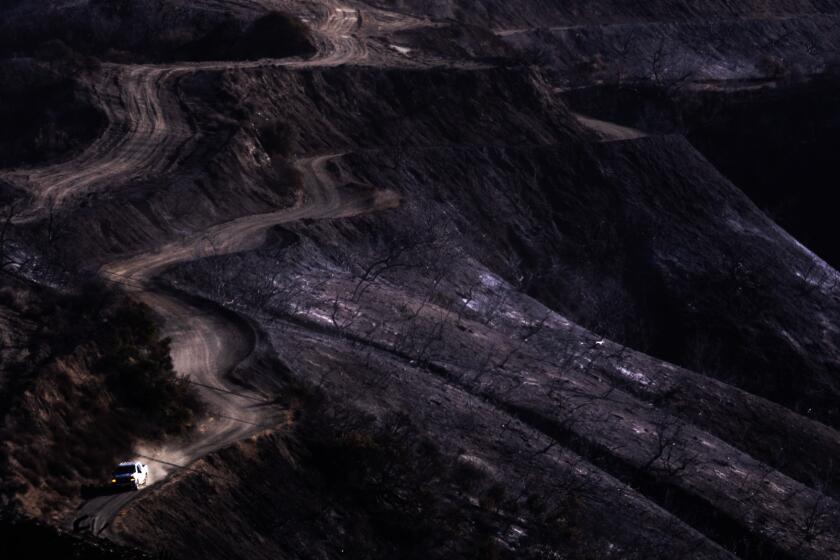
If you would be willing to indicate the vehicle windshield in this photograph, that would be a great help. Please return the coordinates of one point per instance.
(125, 469)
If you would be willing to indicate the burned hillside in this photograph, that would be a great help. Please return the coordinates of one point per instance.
(422, 279)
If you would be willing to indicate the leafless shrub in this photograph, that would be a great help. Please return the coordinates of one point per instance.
(666, 67)
(668, 457)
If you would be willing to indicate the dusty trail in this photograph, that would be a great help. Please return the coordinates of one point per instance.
(147, 130)
(144, 128)
(320, 199)
(145, 133)
(206, 343)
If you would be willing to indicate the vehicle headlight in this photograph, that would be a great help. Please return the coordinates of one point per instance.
(113, 481)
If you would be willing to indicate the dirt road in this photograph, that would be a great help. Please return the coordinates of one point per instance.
(146, 132)
(206, 342)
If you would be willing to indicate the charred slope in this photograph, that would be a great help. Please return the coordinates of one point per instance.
(386, 483)
(771, 141)
(713, 279)
(452, 229)
(774, 143)
(540, 13)
(331, 109)
(671, 53)
(342, 482)
(441, 286)
(394, 291)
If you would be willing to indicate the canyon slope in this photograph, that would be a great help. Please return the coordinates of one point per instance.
(421, 278)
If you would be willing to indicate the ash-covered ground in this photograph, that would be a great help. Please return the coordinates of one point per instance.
(421, 279)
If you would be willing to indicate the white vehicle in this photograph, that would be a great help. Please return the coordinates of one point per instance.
(130, 474)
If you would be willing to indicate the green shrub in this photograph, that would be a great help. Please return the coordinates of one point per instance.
(135, 362)
(98, 378)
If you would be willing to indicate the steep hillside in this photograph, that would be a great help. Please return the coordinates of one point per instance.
(423, 279)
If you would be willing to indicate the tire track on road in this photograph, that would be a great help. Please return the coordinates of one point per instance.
(207, 343)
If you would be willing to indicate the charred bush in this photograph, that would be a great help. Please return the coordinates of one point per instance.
(279, 139)
(129, 354)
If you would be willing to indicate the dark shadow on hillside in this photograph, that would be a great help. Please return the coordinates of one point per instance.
(776, 143)
(94, 491)
(134, 31)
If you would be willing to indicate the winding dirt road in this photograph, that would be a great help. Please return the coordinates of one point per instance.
(206, 343)
(146, 134)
